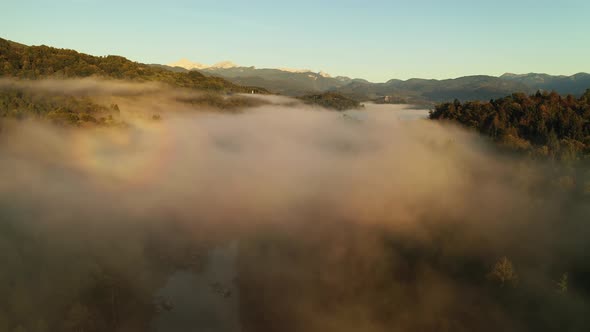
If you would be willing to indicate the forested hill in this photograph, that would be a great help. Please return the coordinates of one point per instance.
(543, 124)
(36, 62)
(331, 100)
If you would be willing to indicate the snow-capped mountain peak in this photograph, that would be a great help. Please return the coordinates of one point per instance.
(224, 65)
(292, 70)
(187, 64)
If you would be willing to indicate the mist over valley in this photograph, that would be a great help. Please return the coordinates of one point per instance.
(143, 195)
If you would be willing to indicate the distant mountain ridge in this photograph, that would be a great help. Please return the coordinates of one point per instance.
(433, 91)
(291, 83)
(287, 81)
(190, 65)
(296, 82)
(479, 87)
(575, 84)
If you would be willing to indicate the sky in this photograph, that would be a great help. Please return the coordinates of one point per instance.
(375, 40)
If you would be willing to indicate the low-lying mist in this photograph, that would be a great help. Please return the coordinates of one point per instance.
(373, 220)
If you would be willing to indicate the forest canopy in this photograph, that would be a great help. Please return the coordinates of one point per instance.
(331, 100)
(544, 124)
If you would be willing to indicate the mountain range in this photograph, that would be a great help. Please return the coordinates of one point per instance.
(33, 62)
(291, 82)
(425, 91)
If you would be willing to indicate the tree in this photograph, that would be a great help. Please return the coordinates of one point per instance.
(503, 272)
(562, 284)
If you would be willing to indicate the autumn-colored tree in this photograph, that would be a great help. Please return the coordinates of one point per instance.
(503, 272)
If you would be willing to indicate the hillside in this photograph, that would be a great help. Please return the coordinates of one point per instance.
(21, 62)
(59, 109)
(36, 62)
(331, 100)
(542, 125)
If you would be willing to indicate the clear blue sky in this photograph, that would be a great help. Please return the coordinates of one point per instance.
(376, 40)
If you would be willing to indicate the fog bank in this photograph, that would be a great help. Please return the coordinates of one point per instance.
(372, 220)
